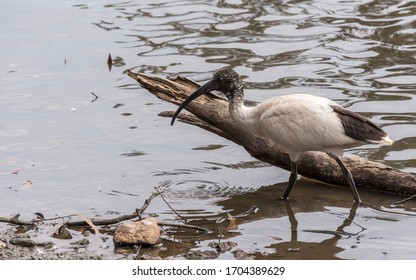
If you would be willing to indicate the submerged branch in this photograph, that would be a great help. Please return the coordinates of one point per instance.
(210, 112)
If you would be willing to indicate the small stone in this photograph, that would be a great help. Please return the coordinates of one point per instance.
(201, 255)
(241, 255)
(143, 232)
(222, 247)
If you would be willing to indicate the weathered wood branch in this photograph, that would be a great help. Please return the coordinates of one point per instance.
(210, 112)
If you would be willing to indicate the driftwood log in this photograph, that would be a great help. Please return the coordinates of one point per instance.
(210, 112)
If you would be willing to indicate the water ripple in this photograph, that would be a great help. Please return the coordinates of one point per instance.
(358, 53)
(203, 190)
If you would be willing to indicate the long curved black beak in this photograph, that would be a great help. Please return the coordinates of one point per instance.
(210, 85)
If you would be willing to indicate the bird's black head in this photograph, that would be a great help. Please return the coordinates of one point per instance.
(228, 82)
(224, 80)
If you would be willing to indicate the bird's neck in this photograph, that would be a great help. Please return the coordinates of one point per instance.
(246, 117)
(236, 105)
(236, 102)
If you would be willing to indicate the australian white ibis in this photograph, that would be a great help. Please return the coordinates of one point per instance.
(297, 123)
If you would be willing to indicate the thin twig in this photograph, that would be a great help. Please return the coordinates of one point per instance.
(103, 222)
(137, 214)
(60, 217)
(146, 204)
(404, 200)
(228, 217)
(182, 226)
(333, 232)
(164, 185)
(362, 228)
(167, 203)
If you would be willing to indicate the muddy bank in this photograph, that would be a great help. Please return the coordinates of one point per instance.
(23, 247)
(15, 247)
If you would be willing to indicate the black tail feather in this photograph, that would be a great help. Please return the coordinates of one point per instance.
(359, 127)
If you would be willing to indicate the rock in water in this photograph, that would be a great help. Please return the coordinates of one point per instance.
(143, 232)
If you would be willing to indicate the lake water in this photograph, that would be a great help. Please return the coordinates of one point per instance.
(79, 138)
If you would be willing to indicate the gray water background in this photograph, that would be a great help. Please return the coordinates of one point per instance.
(65, 152)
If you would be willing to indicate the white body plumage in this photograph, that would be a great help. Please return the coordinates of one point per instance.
(298, 123)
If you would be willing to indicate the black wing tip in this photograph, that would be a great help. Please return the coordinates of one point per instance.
(360, 128)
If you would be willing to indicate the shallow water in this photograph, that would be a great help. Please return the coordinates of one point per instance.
(63, 151)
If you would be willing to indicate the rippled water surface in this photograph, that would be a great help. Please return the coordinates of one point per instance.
(77, 137)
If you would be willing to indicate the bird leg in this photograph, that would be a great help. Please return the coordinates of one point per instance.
(348, 177)
(292, 179)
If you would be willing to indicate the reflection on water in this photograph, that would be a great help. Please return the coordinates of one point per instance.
(293, 229)
(104, 156)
